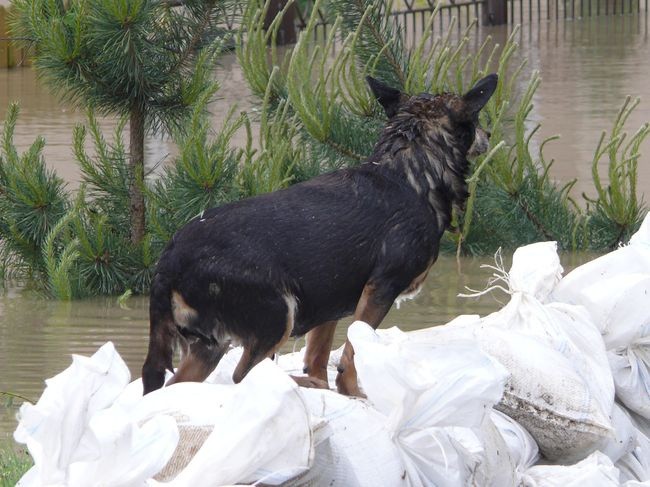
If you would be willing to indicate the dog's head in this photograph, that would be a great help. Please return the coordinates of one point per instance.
(452, 115)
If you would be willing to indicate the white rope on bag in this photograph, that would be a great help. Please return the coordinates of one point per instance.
(499, 275)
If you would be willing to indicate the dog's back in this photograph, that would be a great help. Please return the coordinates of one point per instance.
(318, 242)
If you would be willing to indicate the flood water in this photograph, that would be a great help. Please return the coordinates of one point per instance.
(588, 67)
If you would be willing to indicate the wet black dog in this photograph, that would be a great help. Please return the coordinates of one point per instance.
(295, 261)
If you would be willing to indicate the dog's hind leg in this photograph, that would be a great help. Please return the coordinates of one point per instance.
(274, 322)
(374, 304)
(200, 360)
(319, 343)
(264, 346)
(162, 336)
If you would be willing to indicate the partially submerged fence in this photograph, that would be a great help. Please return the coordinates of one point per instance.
(10, 54)
(412, 16)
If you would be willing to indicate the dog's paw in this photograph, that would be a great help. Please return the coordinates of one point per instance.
(311, 382)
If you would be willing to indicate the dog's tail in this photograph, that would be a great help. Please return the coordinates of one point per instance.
(162, 335)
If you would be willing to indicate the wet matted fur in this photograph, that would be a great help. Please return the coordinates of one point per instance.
(295, 261)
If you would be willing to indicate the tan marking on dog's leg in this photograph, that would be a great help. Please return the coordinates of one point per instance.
(292, 305)
(319, 343)
(372, 313)
(346, 380)
(183, 313)
(242, 366)
(310, 382)
(199, 361)
(368, 310)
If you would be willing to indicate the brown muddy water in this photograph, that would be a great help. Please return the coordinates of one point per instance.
(588, 67)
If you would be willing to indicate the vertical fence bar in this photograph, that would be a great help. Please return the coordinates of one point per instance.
(4, 45)
(414, 25)
(423, 23)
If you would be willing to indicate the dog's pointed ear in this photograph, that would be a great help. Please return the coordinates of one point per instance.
(388, 97)
(476, 98)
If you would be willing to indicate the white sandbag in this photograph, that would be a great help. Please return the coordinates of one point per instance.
(615, 289)
(123, 453)
(354, 447)
(521, 445)
(615, 304)
(596, 470)
(625, 439)
(544, 393)
(631, 371)
(260, 427)
(635, 465)
(436, 399)
(633, 258)
(60, 434)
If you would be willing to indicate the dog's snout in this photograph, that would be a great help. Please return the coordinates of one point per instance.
(488, 133)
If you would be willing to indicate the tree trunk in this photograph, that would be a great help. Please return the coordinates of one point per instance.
(136, 175)
(287, 30)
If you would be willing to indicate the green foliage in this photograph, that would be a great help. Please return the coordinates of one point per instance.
(514, 201)
(274, 167)
(149, 60)
(117, 54)
(84, 248)
(14, 463)
(105, 175)
(378, 41)
(616, 212)
(203, 176)
(32, 200)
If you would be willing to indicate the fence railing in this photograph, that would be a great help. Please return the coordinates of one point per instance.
(412, 17)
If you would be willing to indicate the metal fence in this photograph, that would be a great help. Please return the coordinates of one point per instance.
(412, 17)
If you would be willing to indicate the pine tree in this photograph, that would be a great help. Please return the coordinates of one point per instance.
(148, 60)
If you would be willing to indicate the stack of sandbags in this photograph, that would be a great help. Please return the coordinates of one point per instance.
(560, 387)
(90, 429)
(615, 291)
(426, 420)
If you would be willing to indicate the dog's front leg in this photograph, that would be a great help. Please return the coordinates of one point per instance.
(374, 304)
(319, 343)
